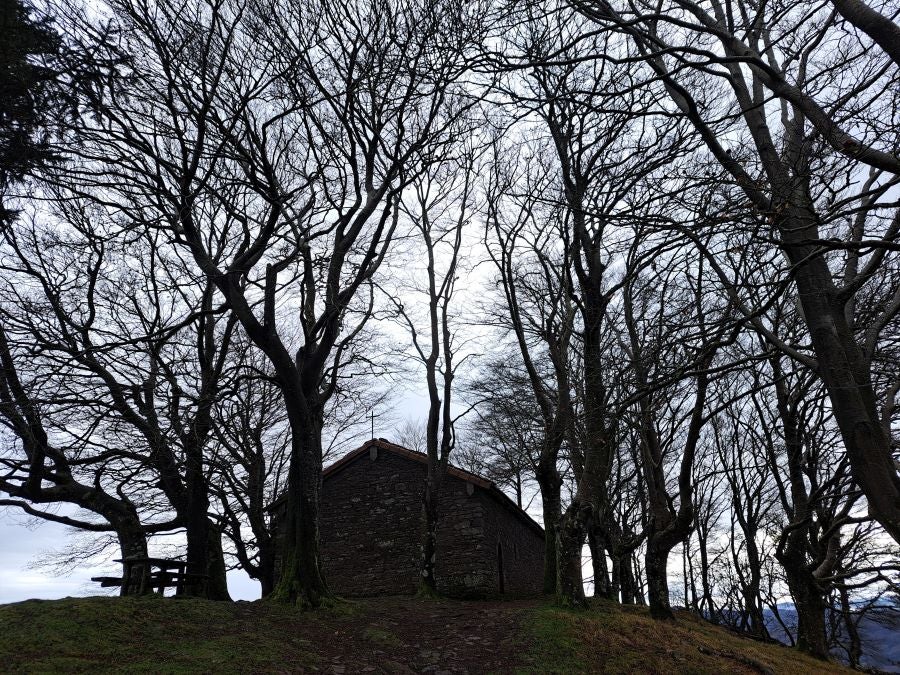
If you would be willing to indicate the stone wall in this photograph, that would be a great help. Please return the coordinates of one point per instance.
(371, 519)
(371, 532)
(519, 544)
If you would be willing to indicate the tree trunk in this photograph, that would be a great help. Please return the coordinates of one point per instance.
(846, 374)
(708, 609)
(854, 650)
(810, 605)
(615, 580)
(752, 599)
(518, 488)
(621, 546)
(602, 586)
(428, 582)
(265, 571)
(132, 544)
(795, 550)
(197, 527)
(691, 579)
(627, 582)
(550, 501)
(266, 582)
(217, 584)
(302, 581)
(570, 540)
(656, 563)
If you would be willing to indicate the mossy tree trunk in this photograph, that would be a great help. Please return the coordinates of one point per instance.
(302, 581)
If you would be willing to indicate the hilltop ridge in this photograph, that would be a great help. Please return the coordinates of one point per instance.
(377, 635)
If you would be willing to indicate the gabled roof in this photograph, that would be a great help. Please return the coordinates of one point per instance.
(488, 486)
(414, 455)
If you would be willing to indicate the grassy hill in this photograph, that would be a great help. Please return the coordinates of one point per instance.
(384, 635)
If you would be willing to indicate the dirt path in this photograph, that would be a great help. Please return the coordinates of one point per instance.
(394, 635)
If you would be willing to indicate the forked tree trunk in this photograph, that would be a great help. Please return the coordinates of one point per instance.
(708, 608)
(620, 546)
(795, 551)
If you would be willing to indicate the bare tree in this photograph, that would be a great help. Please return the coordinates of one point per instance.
(128, 362)
(503, 440)
(252, 433)
(439, 208)
(269, 143)
(412, 434)
(524, 241)
(664, 423)
(757, 77)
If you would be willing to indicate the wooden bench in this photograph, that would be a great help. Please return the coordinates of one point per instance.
(145, 575)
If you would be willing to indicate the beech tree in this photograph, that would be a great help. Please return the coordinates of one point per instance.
(672, 229)
(249, 458)
(501, 440)
(439, 207)
(109, 341)
(803, 127)
(270, 143)
(524, 240)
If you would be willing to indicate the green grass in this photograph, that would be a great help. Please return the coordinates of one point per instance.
(147, 635)
(555, 647)
(609, 638)
(165, 635)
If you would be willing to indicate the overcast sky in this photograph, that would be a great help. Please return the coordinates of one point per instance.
(24, 542)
